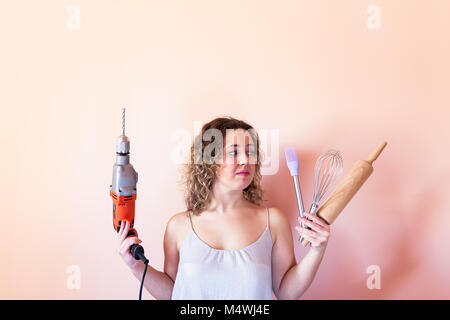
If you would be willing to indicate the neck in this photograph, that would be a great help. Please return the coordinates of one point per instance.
(224, 200)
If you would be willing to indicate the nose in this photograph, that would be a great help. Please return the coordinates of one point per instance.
(243, 158)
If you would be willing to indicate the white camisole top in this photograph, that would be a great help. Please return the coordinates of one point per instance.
(206, 273)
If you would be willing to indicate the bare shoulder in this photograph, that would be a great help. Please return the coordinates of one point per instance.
(278, 217)
(178, 219)
(174, 230)
(177, 227)
(279, 222)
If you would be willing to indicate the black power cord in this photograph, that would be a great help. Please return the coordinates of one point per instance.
(142, 282)
(137, 252)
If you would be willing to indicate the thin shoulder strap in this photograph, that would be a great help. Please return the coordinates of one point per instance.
(192, 226)
(267, 217)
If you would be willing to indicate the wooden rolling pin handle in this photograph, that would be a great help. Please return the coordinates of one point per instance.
(374, 155)
(305, 242)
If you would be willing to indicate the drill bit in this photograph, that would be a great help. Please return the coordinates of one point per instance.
(123, 121)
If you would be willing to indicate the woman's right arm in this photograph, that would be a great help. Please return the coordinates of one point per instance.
(158, 284)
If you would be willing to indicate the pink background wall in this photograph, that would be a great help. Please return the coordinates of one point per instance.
(313, 70)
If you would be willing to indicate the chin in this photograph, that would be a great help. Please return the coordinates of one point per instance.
(244, 185)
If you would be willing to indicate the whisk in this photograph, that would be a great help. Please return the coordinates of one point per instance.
(328, 168)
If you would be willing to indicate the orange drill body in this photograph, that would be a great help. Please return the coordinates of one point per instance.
(123, 209)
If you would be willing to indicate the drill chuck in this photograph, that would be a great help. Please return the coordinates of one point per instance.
(123, 145)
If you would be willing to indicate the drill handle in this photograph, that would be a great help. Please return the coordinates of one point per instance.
(137, 251)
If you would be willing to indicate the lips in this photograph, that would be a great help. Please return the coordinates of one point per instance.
(243, 173)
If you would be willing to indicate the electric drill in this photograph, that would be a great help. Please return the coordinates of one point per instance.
(123, 190)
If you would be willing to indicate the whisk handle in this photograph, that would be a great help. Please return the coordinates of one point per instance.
(314, 207)
(312, 210)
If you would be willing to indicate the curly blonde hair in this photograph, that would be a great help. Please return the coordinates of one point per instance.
(198, 175)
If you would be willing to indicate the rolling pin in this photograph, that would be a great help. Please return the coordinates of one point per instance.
(347, 188)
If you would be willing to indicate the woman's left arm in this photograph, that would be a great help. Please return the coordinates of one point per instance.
(297, 278)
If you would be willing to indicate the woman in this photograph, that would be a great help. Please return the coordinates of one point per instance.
(226, 245)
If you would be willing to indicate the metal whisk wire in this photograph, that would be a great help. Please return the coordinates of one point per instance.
(328, 168)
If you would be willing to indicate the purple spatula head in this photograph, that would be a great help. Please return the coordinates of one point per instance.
(292, 161)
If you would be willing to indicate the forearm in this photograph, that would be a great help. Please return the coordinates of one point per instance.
(299, 278)
(159, 284)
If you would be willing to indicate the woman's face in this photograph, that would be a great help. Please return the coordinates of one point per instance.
(239, 160)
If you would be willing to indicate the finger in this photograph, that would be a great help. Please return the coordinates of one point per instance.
(124, 234)
(316, 227)
(125, 247)
(306, 233)
(316, 219)
(122, 228)
(309, 238)
(119, 234)
(313, 237)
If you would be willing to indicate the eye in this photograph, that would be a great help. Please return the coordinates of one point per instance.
(235, 153)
